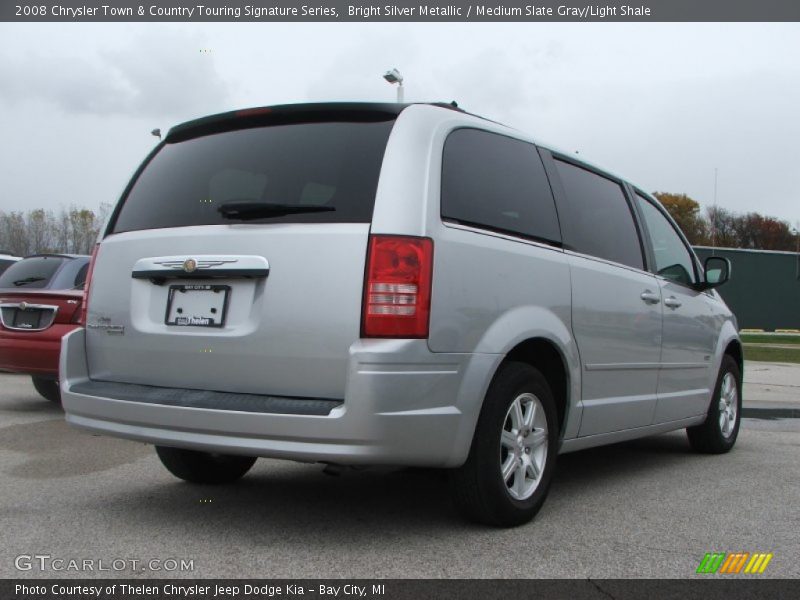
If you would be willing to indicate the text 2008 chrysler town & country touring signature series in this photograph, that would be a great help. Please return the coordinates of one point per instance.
(367, 284)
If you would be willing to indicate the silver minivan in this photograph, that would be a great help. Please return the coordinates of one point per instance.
(373, 284)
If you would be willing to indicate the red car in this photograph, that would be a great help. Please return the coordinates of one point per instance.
(41, 300)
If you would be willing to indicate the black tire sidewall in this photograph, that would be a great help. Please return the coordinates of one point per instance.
(729, 365)
(201, 467)
(512, 381)
(707, 437)
(47, 388)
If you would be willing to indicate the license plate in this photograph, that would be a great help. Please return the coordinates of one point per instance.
(197, 305)
(27, 319)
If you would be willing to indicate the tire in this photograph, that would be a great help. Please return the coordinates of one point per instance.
(489, 488)
(718, 433)
(48, 389)
(203, 467)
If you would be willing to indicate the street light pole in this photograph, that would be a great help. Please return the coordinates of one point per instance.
(393, 77)
(797, 252)
(714, 220)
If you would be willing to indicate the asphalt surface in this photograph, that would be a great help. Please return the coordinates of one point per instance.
(648, 508)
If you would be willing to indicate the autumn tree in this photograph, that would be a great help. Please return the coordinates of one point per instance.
(725, 228)
(40, 231)
(686, 213)
(767, 233)
(722, 226)
(73, 230)
(83, 227)
(14, 234)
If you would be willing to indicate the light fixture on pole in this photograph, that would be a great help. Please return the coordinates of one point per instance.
(393, 77)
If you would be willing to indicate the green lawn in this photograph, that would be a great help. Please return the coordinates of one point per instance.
(760, 338)
(787, 355)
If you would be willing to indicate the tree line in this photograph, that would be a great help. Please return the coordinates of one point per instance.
(70, 230)
(74, 230)
(722, 227)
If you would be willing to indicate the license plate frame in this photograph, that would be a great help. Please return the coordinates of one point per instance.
(215, 320)
(27, 320)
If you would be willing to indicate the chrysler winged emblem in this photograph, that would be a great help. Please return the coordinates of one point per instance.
(189, 265)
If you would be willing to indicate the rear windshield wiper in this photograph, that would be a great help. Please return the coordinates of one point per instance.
(20, 282)
(245, 210)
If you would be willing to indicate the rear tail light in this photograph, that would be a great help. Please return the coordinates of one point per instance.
(397, 287)
(85, 302)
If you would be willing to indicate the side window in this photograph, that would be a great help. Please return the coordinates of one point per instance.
(602, 223)
(80, 278)
(497, 182)
(4, 264)
(673, 259)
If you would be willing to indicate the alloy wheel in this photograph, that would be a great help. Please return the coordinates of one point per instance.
(523, 446)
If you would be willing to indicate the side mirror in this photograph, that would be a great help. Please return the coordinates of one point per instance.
(717, 270)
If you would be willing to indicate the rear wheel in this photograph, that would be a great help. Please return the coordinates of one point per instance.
(507, 474)
(204, 467)
(718, 433)
(48, 389)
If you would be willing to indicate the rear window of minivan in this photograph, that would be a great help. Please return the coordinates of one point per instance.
(328, 164)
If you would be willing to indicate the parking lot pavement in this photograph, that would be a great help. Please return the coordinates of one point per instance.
(771, 390)
(772, 382)
(648, 508)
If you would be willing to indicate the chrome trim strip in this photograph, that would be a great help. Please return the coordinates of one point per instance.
(521, 238)
(642, 366)
(621, 366)
(606, 261)
(206, 263)
(160, 268)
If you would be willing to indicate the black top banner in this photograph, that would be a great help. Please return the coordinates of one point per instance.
(519, 11)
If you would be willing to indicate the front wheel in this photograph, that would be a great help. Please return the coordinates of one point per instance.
(505, 479)
(48, 389)
(718, 433)
(204, 467)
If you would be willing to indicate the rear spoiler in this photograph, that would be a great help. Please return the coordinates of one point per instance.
(284, 115)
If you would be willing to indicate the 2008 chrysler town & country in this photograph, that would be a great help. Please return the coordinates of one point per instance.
(366, 284)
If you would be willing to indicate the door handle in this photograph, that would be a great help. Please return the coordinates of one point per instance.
(672, 302)
(650, 298)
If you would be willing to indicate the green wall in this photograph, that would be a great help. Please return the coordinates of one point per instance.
(764, 291)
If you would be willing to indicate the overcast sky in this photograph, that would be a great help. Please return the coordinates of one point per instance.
(662, 104)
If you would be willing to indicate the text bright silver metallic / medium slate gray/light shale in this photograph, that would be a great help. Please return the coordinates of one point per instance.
(663, 11)
(367, 284)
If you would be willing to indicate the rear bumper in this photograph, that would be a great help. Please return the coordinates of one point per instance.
(403, 405)
(34, 352)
